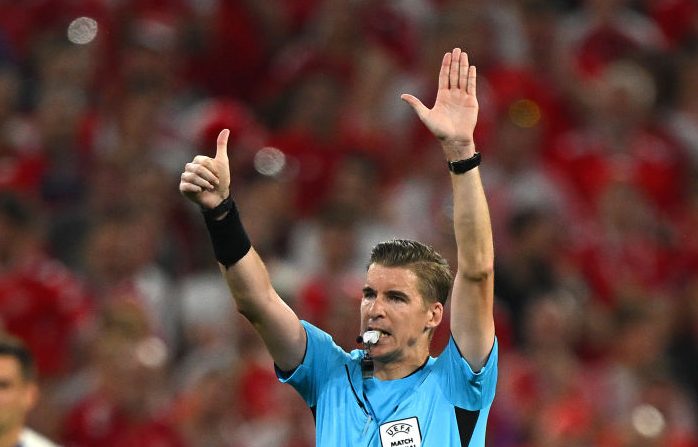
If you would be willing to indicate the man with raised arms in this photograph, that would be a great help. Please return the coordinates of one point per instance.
(392, 393)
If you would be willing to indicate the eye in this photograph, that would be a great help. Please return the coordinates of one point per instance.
(397, 297)
(369, 294)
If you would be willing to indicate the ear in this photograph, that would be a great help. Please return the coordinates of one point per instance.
(31, 395)
(435, 313)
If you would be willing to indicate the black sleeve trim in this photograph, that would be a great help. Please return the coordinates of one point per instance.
(466, 421)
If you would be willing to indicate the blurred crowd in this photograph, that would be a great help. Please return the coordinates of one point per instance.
(589, 133)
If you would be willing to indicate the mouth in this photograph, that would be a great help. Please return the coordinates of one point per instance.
(383, 332)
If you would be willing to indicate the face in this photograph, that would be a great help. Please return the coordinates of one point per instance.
(17, 396)
(393, 305)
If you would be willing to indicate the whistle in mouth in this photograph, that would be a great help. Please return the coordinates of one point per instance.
(371, 337)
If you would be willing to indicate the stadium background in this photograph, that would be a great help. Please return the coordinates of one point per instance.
(589, 134)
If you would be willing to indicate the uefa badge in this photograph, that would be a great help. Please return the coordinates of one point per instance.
(402, 433)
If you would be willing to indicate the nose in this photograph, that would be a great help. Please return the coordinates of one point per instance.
(376, 309)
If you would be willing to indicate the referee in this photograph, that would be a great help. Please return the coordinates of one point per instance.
(392, 393)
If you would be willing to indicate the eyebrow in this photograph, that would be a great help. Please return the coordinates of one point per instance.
(390, 293)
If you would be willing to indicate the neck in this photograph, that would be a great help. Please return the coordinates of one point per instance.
(387, 369)
(10, 438)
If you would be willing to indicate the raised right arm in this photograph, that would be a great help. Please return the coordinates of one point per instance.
(206, 182)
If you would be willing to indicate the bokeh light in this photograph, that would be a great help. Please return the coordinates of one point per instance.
(82, 30)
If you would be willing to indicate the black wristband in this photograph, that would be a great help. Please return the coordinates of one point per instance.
(228, 236)
(463, 166)
(214, 213)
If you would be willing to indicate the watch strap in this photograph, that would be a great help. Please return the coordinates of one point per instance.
(465, 165)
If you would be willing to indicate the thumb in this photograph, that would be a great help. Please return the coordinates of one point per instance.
(416, 104)
(222, 146)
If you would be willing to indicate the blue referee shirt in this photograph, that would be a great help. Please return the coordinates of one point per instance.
(443, 403)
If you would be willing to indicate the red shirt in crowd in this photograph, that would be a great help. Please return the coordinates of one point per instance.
(98, 422)
(45, 305)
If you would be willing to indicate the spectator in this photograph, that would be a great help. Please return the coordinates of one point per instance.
(19, 393)
(125, 405)
(41, 301)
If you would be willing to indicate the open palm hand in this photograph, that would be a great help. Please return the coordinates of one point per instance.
(454, 115)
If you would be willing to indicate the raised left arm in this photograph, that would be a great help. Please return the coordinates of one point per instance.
(452, 120)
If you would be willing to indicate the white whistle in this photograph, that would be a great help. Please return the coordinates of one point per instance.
(371, 337)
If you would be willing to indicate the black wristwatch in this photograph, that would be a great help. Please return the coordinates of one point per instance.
(463, 166)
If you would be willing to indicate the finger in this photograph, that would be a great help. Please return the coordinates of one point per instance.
(472, 80)
(204, 161)
(186, 187)
(202, 171)
(453, 74)
(463, 72)
(222, 145)
(416, 104)
(443, 74)
(190, 177)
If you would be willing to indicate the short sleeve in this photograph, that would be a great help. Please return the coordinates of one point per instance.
(322, 358)
(460, 385)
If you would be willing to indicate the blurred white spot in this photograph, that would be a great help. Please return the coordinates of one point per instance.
(82, 30)
(269, 161)
(151, 352)
(648, 421)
